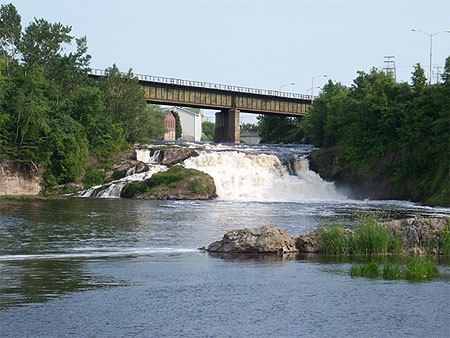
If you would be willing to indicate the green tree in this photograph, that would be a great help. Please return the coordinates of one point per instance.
(42, 41)
(10, 32)
(125, 102)
(178, 129)
(418, 78)
(279, 129)
(208, 131)
(249, 127)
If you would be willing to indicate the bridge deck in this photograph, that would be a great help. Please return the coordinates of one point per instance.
(169, 91)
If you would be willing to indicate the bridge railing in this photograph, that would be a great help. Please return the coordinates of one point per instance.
(198, 84)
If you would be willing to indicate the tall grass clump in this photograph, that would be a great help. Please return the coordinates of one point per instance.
(371, 238)
(420, 268)
(417, 268)
(335, 241)
(445, 239)
(368, 238)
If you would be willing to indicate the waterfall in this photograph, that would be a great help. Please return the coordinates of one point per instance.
(262, 177)
(240, 172)
(114, 188)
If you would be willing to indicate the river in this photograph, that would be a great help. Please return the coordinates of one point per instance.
(102, 267)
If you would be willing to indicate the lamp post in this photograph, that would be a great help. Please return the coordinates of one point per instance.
(309, 89)
(287, 84)
(312, 85)
(431, 44)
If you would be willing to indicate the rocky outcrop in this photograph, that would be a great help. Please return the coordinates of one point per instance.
(123, 162)
(177, 183)
(267, 239)
(176, 155)
(172, 155)
(309, 243)
(17, 178)
(422, 235)
(332, 165)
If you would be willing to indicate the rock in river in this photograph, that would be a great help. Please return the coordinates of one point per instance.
(267, 239)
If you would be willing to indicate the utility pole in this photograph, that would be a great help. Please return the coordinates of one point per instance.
(389, 68)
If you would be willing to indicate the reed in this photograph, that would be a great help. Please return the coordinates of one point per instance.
(368, 238)
(417, 268)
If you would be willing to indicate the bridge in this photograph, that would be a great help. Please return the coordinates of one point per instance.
(230, 100)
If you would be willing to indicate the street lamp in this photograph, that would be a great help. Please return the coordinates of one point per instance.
(309, 89)
(312, 84)
(287, 84)
(431, 44)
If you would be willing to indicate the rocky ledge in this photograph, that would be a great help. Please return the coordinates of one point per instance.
(260, 240)
(420, 235)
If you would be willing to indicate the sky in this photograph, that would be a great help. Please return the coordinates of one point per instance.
(265, 44)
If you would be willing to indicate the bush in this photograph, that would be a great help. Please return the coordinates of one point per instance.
(93, 177)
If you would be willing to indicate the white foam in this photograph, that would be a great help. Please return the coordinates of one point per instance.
(98, 253)
(261, 177)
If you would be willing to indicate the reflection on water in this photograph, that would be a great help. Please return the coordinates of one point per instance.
(35, 281)
(124, 257)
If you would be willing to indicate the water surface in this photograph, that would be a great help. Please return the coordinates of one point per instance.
(113, 267)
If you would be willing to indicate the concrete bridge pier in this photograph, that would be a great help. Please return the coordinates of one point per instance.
(227, 126)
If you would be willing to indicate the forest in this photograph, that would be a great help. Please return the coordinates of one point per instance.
(52, 114)
(380, 129)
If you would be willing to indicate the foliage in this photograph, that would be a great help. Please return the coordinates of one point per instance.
(93, 177)
(445, 239)
(389, 130)
(178, 129)
(335, 240)
(279, 129)
(126, 105)
(249, 127)
(417, 268)
(420, 268)
(367, 239)
(52, 114)
(168, 178)
(208, 130)
(10, 33)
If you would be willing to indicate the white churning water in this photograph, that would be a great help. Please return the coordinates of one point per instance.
(240, 174)
(261, 177)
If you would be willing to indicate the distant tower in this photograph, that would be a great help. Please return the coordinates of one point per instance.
(389, 66)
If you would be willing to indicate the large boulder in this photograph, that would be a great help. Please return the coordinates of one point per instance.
(267, 239)
(421, 234)
(171, 156)
(310, 242)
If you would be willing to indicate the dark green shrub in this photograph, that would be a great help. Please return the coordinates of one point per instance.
(93, 177)
(118, 174)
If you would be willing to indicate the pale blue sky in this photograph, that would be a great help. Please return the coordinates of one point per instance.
(253, 43)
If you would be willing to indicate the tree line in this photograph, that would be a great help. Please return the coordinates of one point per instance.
(388, 129)
(52, 114)
(381, 129)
